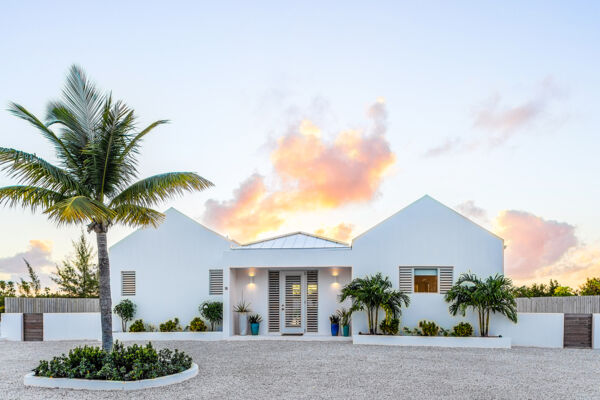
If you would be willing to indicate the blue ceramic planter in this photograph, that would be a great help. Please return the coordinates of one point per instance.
(254, 328)
(335, 329)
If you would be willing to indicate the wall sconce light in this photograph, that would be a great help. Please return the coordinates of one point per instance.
(252, 279)
(335, 278)
(251, 274)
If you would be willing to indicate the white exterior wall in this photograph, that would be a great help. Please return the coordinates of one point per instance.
(596, 331)
(72, 326)
(426, 233)
(532, 329)
(12, 326)
(171, 264)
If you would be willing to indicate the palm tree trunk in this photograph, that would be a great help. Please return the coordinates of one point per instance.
(487, 323)
(104, 286)
(376, 319)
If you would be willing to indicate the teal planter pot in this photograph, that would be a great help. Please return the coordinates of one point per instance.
(346, 330)
(254, 328)
(335, 329)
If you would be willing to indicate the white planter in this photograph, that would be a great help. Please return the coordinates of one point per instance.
(89, 384)
(243, 320)
(434, 341)
(175, 336)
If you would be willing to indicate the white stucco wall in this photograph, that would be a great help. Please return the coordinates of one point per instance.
(596, 331)
(532, 329)
(12, 326)
(72, 326)
(171, 264)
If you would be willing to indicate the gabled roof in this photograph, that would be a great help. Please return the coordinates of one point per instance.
(296, 240)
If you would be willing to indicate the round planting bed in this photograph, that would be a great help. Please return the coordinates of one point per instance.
(92, 384)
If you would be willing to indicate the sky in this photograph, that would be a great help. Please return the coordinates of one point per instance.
(328, 117)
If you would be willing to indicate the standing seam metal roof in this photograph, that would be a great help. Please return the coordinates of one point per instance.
(297, 240)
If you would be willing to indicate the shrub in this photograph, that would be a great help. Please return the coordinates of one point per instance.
(255, 319)
(197, 325)
(345, 316)
(429, 328)
(126, 311)
(137, 326)
(390, 326)
(121, 364)
(213, 312)
(463, 329)
(170, 326)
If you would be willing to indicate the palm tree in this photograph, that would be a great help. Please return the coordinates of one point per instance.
(372, 293)
(97, 145)
(495, 294)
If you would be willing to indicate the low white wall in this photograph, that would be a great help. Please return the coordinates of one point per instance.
(596, 331)
(72, 326)
(532, 329)
(12, 326)
(174, 336)
(434, 341)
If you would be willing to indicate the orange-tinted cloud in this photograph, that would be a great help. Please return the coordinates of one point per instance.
(312, 173)
(38, 254)
(342, 232)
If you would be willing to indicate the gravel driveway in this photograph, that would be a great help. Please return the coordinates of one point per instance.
(309, 370)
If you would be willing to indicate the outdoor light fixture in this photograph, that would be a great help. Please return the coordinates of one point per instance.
(252, 279)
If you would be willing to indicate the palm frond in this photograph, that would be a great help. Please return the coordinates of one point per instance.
(157, 188)
(79, 209)
(32, 197)
(134, 215)
(134, 143)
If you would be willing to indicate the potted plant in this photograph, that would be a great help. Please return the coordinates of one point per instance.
(345, 315)
(335, 324)
(243, 308)
(255, 320)
(213, 312)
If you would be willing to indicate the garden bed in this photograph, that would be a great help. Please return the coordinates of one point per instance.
(174, 336)
(434, 341)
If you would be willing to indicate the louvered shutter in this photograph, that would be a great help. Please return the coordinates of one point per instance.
(446, 278)
(312, 304)
(127, 283)
(405, 279)
(273, 301)
(215, 282)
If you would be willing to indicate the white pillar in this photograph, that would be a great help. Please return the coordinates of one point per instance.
(227, 313)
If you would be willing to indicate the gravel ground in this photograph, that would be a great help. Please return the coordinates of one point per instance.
(311, 370)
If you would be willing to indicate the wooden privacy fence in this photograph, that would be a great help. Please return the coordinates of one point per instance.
(50, 305)
(567, 305)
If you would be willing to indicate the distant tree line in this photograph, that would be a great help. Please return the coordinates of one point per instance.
(591, 287)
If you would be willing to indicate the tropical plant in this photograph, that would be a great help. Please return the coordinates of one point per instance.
(213, 312)
(197, 325)
(170, 326)
(78, 276)
(564, 291)
(255, 319)
(334, 319)
(33, 287)
(537, 289)
(462, 329)
(126, 311)
(372, 293)
(242, 307)
(137, 326)
(390, 326)
(121, 364)
(591, 287)
(97, 145)
(485, 297)
(345, 315)
(7, 289)
(429, 328)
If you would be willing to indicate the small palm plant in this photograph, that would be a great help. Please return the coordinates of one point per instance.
(494, 294)
(97, 144)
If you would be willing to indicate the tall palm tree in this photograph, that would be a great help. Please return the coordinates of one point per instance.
(372, 293)
(97, 145)
(495, 294)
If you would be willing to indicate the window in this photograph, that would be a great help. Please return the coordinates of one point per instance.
(426, 280)
(127, 283)
(215, 282)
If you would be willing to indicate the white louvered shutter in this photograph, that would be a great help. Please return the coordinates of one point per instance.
(215, 282)
(127, 283)
(446, 278)
(312, 301)
(405, 279)
(273, 301)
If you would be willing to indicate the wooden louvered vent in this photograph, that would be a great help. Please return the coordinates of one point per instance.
(215, 282)
(406, 279)
(127, 283)
(273, 301)
(312, 298)
(446, 278)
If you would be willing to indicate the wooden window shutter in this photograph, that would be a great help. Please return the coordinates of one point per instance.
(215, 282)
(127, 283)
(273, 301)
(405, 279)
(446, 278)
(312, 299)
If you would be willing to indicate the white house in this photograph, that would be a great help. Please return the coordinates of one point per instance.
(293, 281)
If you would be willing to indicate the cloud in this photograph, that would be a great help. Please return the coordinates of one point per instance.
(450, 145)
(342, 232)
(310, 173)
(533, 243)
(38, 254)
(472, 211)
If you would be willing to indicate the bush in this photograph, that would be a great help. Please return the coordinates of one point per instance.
(255, 319)
(121, 364)
(213, 312)
(126, 311)
(197, 325)
(137, 326)
(170, 326)
(463, 329)
(390, 327)
(429, 328)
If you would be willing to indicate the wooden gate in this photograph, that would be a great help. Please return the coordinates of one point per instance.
(578, 330)
(33, 327)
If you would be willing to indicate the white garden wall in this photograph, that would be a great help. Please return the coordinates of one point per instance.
(532, 329)
(596, 331)
(72, 326)
(12, 326)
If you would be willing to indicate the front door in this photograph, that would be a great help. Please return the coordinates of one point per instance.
(292, 300)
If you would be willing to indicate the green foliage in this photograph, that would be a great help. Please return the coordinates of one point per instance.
(429, 328)
(345, 316)
(372, 293)
(7, 289)
(563, 291)
(137, 326)
(213, 312)
(390, 327)
(121, 364)
(492, 295)
(537, 289)
(255, 319)
(334, 318)
(197, 325)
(78, 277)
(591, 287)
(170, 326)
(242, 307)
(462, 329)
(126, 311)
